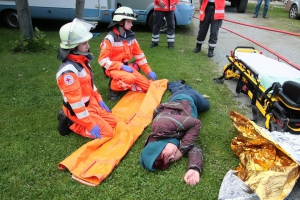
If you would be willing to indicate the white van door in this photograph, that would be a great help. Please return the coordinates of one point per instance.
(92, 8)
(56, 9)
(96, 9)
(136, 4)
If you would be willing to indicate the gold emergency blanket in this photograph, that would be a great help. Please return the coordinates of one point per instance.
(95, 160)
(264, 165)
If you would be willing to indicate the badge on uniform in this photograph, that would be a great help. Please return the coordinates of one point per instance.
(68, 79)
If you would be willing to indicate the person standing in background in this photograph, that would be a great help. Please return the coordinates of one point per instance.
(164, 8)
(266, 7)
(212, 13)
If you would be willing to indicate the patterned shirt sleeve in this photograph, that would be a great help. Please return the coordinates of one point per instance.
(195, 158)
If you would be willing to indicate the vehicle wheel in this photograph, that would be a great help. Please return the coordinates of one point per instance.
(241, 6)
(10, 19)
(163, 27)
(293, 12)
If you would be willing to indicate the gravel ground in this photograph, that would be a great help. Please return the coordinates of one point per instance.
(285, 45)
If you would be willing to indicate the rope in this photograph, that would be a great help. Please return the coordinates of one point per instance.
(264, 28)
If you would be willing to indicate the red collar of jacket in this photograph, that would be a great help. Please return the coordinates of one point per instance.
(78, 58)
(116, 31)
(83, 61)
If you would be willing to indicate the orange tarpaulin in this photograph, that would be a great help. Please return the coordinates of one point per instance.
(95, 160)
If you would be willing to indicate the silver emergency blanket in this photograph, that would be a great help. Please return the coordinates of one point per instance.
(234, 188)
(289, 142)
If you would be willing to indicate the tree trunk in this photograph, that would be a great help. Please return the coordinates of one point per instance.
(79, 9)
(24, 18)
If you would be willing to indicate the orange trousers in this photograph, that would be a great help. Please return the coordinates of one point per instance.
(105, 120)
(122, 80)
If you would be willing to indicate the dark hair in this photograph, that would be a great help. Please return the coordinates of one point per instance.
(161, 162)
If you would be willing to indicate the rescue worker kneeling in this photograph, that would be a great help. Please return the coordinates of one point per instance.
(84, 112)
(117, 49)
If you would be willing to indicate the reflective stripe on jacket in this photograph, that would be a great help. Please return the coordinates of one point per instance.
(116, 50)
(219, 9)
(75, 81)
(170, 5)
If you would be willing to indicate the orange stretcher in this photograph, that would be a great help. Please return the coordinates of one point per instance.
(95, 160)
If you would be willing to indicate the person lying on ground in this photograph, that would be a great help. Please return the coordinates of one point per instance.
(174, 132)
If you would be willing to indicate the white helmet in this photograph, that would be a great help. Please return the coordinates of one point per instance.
(123, 13)
(74, 33)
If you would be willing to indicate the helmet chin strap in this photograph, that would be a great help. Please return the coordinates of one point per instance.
(123, 25)
(121, 30)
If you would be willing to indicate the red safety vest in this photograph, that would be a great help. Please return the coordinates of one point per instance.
(170, 5)
(219, 9)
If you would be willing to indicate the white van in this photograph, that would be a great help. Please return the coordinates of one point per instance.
(94, 10)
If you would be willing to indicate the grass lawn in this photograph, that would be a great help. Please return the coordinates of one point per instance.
(31, 147)
(279, 18)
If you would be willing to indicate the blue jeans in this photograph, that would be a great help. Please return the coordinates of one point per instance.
(257, 7)
(177, 87)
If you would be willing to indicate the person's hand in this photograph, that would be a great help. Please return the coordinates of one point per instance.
(177, 156)
(161, 4)
(96, 132)
(104, 106)
(127, 68)
(192, 177)
(152, 75)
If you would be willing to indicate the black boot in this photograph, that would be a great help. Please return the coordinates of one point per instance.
(113, 96)
(171, 45)
(63, 125)
(210, 52)
(197, 48)
(153, 44)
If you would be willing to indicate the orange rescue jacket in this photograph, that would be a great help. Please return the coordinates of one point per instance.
(170, 5)
(219, 9)
(75, 81)
(116, 50)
